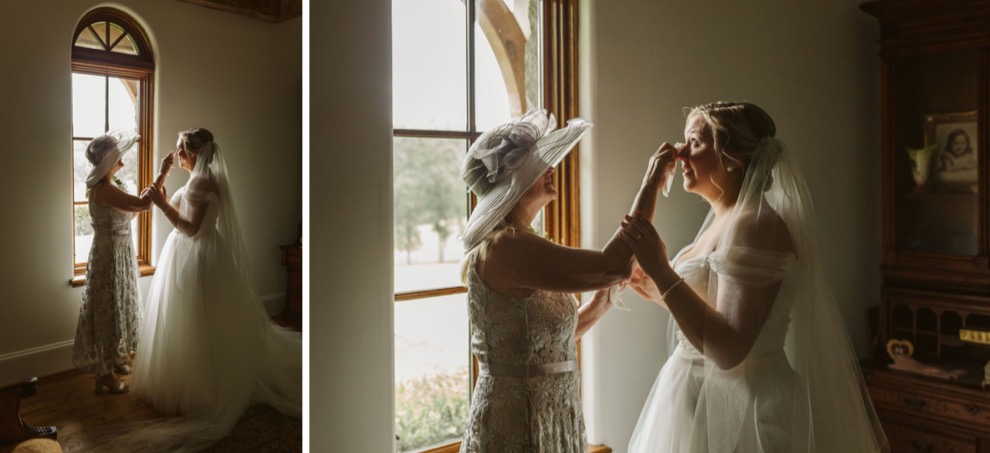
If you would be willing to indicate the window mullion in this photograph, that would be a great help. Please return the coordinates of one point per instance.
(97, 35)
(470, 12)
(106, 103)
(424, 133)
(117, 41)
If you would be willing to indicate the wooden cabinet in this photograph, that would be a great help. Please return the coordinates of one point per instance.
(921, 415)
(935, 106)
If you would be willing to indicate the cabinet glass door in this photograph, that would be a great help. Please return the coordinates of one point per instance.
(936, 154)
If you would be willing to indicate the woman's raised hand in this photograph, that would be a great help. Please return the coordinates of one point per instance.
(167, 162)
(638, 233)
(660, 165)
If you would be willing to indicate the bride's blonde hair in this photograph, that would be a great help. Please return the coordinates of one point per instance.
(737, 130)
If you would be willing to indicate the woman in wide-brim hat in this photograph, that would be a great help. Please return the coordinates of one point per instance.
(109, 317)
(525, 322)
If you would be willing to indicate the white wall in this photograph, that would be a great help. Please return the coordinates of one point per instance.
(811, 65)
(239, 77)
(350, 219)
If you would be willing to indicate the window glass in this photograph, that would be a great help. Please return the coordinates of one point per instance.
(123, 108)
(80, 169)
(429, 66)
(84, 232)
(89, 102)
(88, 40)
(430, 203)
(507, 67)
(126, 46)
(432, 380)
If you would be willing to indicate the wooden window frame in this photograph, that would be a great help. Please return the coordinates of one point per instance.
(140, 67)
(560, 96)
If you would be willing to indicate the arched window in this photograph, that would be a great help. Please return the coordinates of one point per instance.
(112, 86)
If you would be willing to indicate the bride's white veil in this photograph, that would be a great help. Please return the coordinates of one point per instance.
(808, 396)
(210, 161)
(278, 372)
(829, 407)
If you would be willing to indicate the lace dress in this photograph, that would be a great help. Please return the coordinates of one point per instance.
(514, 337)
(110, 315)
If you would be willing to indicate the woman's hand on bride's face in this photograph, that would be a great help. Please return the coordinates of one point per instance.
(659, 166)
(638, 233)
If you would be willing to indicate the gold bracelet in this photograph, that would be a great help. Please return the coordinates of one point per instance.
(663, 295)
(170, 208)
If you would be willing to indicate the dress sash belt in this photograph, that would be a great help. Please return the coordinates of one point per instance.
(523, 371)
(113, 230)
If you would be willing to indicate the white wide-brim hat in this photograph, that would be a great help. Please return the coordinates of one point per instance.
(505, 162)
(105, 151)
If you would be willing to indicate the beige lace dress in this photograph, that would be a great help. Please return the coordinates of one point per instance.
(527, 398)
(110, 314)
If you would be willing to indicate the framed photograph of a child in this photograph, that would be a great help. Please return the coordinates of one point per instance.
(955, 163)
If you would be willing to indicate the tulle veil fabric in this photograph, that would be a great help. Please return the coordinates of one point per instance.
(816, 399)
(208, 348)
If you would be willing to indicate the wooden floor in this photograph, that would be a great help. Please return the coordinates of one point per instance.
(68, 401)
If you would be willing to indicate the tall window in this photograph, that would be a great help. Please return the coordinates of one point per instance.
(460, 67)
(112, 76)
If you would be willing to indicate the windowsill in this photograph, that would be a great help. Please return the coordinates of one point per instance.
(143, 269)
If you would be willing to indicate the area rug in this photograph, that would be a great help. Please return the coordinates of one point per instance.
(262, 429)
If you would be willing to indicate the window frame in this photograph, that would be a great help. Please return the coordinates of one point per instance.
(559, 59)
(140, 67)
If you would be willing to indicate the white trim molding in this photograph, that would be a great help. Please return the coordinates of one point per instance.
(37, 361)
(54, 358)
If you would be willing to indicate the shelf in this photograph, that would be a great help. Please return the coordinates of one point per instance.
(940, 195)
(910, 331)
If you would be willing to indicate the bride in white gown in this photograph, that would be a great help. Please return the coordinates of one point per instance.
(762, 361)
(208, 349)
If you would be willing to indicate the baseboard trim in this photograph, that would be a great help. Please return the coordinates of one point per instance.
(40, 349)
(37, 361)
(55, 358)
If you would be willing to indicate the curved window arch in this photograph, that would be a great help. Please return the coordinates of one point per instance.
(113, 68)
(107, 36)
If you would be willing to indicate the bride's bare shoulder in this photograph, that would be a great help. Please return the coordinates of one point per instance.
(763, 229)
(203, 183)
